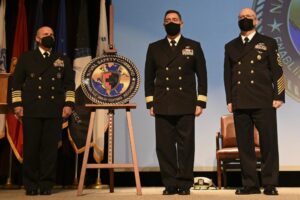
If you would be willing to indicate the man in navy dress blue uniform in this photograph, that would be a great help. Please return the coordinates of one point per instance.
(175, 90)
(254, 85)
(42, 95)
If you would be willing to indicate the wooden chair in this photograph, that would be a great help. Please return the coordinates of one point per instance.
(226, 149)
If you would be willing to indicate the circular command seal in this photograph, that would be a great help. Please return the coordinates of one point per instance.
(111, 79)
(281, 20)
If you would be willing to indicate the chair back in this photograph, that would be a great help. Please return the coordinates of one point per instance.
(228, 132)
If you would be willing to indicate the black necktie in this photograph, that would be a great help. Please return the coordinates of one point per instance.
(173, 47)
(46, 54)
(246, 41)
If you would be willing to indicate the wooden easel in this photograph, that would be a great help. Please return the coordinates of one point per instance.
(110, 165)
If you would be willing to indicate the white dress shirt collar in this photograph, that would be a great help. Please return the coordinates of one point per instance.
(249, 37)
(43, 51)
(176, 39)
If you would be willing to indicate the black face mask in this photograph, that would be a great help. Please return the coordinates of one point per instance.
(172, 29)
(246, 24)
(48, 42)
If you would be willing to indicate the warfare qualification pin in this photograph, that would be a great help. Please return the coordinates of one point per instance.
(110, 79)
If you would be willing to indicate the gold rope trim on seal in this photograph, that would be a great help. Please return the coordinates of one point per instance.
(149, 99)
(202, 98)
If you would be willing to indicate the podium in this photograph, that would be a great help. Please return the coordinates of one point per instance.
(110, 164)
(3, 94)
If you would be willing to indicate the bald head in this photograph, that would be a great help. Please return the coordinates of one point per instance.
(247, 21)
(247, 12)
(44, 32)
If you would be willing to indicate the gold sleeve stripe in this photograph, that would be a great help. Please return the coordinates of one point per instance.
(280, 80)
(202, 98)
(280, 85)
(17, 92)
(70, 93)
(280, 90)
(71, 99)
(16, 96)
(70, 96)
(149, 99)
(16, 99)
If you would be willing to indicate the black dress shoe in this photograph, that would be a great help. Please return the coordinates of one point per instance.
(170, 191)
(31, 192)
(247, 190)
(184, 191)
(46, 192)
(270, 190)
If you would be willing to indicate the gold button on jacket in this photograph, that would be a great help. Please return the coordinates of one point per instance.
(42, 87)
(253, 76)
(170, 77)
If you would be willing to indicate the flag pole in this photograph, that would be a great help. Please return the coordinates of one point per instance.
(9, 184)
(75, 183)
(75, 180)
(111, 50)
(111, 46)
(98, 183)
